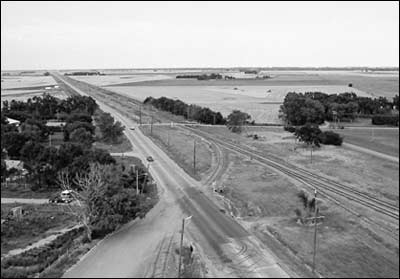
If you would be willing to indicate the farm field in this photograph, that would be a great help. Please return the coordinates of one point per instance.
(20, 88)
(261, 102)
(19, 82)
(116, 79)
(385, 84)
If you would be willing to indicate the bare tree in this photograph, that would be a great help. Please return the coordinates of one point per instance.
(90, 187)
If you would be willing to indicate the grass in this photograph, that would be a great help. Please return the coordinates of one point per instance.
(381, 140)
(179, 145)
(34, 225)
(19, 190)
(345, 248)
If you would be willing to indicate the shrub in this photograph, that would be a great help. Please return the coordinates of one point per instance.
(330, 138)
(290, 129)
(385, 120)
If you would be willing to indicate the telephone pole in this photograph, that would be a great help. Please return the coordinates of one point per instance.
(151, 126)
(315, 218)
(194, 156)
(137, 182)
(140, 115)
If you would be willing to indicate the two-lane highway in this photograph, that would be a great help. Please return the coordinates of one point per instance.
(220, 231)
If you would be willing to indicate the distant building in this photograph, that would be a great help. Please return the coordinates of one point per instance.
(16, 165)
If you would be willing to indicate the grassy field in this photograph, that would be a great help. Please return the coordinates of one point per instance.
(35, 225)
(266, 203)
(381, 140)
(360, 170)
(179, 145)
(22, 190)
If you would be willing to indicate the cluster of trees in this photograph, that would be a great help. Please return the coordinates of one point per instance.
(28, 141)
(316, 107)
(177, 107)
(92, 73)
(313, 136)
(201, 77)
(236, 120)
(48, 107)
(111, 131)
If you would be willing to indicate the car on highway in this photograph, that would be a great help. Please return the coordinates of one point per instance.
(133, 128)
(150, 159)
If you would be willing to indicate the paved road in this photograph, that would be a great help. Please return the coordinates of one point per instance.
(221, 232)
(17, 200)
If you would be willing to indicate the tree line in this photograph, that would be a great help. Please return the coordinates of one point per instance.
(201, 77)
(316, 107)
(194, 112)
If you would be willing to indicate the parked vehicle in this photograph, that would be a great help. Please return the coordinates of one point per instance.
(150, 159)
(63, 197)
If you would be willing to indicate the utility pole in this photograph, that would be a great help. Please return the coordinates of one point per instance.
(137, 182)
(151, 126)
(181, 245)
(140, 115)
(315, 218)
(50, 138)
(311, 153)
(168, 137)
(194, 156)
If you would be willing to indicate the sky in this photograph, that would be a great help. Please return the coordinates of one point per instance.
(99, 35)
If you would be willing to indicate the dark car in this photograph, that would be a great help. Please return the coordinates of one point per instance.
(56, 199)
(150, 159)
(63, 197)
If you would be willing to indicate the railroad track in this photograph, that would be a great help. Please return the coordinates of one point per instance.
(324, 185)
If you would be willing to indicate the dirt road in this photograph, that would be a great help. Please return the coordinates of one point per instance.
(130, 252)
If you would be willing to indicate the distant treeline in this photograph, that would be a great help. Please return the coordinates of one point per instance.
(84, 74)
(193, 112)
(201, 77)
(316, 107)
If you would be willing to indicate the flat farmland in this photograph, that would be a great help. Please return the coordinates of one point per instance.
(261, 102)
(26, 82)
(385, 84)
(117, 79)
